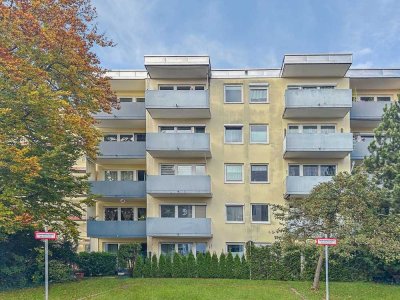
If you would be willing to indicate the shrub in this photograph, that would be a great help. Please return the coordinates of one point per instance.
(58, 272)
(97, 263)
(138, 269)
(127, 255)
(177, 266)
(162, 266)
(168, 266)
(147, 268)
(191, 266)
(214, 270)
(222, 266)
(207, 265)
(237, 267)
(201, 267)
(229, 266)
(154, 266)
(245, 271)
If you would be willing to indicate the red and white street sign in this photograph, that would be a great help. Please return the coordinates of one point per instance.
(326, 241)
(43, 235)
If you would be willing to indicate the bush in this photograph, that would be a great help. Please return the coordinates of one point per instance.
(138, 269)
(177, 266)
(229, 266)
(191, 266)
(201, 267)
(222, 266)
(147, 268)
(127, 255)
(154, 266)
(97, 263)
(168, 266)
(214, 266)
(58, 272)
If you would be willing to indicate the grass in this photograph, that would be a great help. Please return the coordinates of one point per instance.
(215, 289)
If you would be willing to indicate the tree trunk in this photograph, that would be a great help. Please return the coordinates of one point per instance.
(317, 274)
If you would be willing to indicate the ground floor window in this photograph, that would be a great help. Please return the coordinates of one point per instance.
(235, 248)
(113, 248)
(182, 248)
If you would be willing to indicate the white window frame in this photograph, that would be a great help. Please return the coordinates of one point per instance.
(175, 243)
(241, 93)
(134, 98)
(313, 164)
(226, 213)
(176, 209)
(375, 96)
(318, 127)
(259, 182)
(259, 86)
(300, 86)
(225, 173)
(135, 174)
(236, 243)
(185, 164)
(119, 136)
(181, 125)
(175, 86)
(261, 143)
(233, 143)
(135, 212)
(268, 214)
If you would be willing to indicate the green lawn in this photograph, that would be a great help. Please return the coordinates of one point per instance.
(215, 289)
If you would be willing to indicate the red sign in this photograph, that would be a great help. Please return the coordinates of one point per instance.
(326, 241)
(43, 235)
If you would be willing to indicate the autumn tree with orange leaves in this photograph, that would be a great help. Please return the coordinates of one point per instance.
(51, 82)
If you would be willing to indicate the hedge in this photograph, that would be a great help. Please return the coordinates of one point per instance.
(97, 263)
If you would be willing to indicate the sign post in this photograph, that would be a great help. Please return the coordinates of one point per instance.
(46, 236)
(326, 242)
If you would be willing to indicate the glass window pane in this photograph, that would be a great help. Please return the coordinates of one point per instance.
(184, 129)
(110, 175)
(125, 99)
(140, 137)
(327, 87)
(185, 170)
(184, 248)
(127, 214)
(111, 248)
(141, 175)
(110, 138)
(140, 99)
(234, 173)
(258, 95)
(327, 129)
(184, 211)
(258, 133)
(199, 129)
(200, 169)
(234, 213)
(259, 173)
(233, 94)
(201, 248)
(367, 98)
(141, 213)
(294, 170)
(167, 170)
(111, 214)
(237, 249)
(183, 87)
(233, 134)
(126, 137)
(167, 249)
(310, 170)
(383, 98)
(167, 211)
(259, 212)
(200, 211)
(309, 87)
(310, 129)
(199, 87)
(328, 170)
(126, 175)
(293, 129)
(167, 129)
(165, 87)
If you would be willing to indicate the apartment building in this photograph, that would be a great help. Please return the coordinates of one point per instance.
(195, 157)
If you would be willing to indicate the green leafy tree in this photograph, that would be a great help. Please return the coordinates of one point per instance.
(222, 266)
(138, 269)
(177, 265)
(51, 82)
(384, 161)
(229, 265)
(348, 208)
(191, 266)
(154, 266)
(128, 255)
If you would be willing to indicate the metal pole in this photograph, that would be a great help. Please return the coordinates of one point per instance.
(46, 267)
(326, 273)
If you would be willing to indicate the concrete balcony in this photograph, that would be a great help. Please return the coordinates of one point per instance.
(118, 189)
(324, 103)
(365, 114)
(178, 144)
(122, 153)
(360, 150)
(179, 227)
(130, 115)
(318, 145)
(178, 104)
(179, 186)
(301, 186)
(116, 229)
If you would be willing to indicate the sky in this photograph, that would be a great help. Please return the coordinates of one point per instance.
(249, 33)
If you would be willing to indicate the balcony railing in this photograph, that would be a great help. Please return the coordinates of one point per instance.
(178, 144)
(300, 186)
(179, 186)
(122, 150)
(367, 113)
(360, 150)
(119, 189)
(179, 227)
(116, 229)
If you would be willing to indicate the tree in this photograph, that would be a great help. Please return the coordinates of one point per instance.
(127, 255)
(154, 266)
(138, 269)
(162, 266)
(222, 266)
(50, 84)
(229, 265)
(191, 266)
(348, 208)
(177, 265)
(214, 267)
(384, 161)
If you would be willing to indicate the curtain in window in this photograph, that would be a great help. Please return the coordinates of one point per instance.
(259, 173)
(328, 170)
(111, 214)
(127, 214)
(327, 129)
(234, 173)
(110, 175)
(309, 129)
(234, 213)
(126, 137)
(184, 249)
(233, 134)
(233, 94)
(185, 170)
(310, 170)
(258, 133)
(259, 213)
(258, 95)
(126, 175)
(294, 170)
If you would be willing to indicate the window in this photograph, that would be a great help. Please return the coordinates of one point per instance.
(310, 129)
(111, 248)
(259, 173)
(167, 129)
(183, 211)
(167, 211)
(182, 129)
(110, 138)
(294, 129)
(141, 213)
(234, 213)
(185, 87)
(327, 129)
(294, 170)
(184, 169)
(258, 134)
(328, 170)
(184, 248)
(111, 214)
(125, 99)
(235, 249)
(200, 211)
(201, 248)
(126, 138)
(259, 213)
(258, 94)
(167, 249)
(127, 214)
(140, 137)
(233, 134)
(166, 87)
(140, 99)
(367, 98)
(310, 87)
(233, 94)
(141, 174)
(110, 175)
(310, 170)
(234, 173)
(383, 98)
(126, 175)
